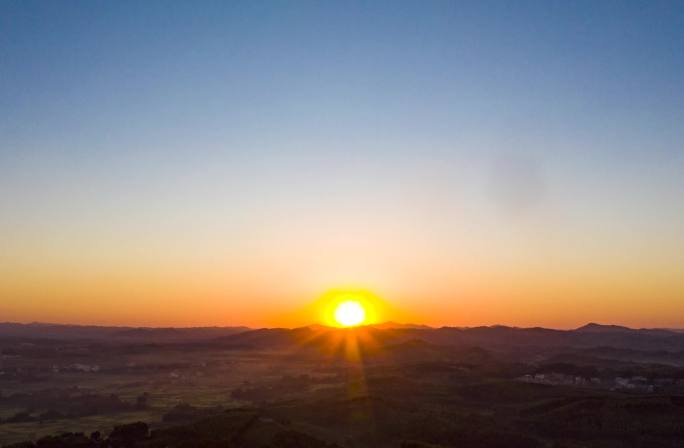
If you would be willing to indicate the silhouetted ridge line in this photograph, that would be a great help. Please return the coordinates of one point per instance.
(494, 337)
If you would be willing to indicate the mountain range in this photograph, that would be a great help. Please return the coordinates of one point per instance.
(387, 333)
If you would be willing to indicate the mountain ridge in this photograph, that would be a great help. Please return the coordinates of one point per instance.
(496, 336)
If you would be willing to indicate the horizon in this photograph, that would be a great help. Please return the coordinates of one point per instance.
(169, 164)
(414, 325)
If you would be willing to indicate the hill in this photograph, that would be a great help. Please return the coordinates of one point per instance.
(93, 332)
(489, 337)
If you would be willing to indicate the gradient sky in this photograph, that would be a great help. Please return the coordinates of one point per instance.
(219, 163)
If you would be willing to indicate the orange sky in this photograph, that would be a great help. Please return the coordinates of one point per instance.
(150, 286)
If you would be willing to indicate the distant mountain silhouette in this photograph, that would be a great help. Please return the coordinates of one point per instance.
(389, 325)
(178, 333)
(317, 337)
(57, 331)
(373, 337)
(494, 337)
(600, 328)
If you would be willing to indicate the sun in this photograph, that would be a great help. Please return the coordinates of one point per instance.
(346, 308)
(350, 313)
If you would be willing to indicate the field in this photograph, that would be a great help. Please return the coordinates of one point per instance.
(303, 388)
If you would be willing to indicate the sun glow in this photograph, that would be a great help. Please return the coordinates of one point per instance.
(349, 308)
(350, 313)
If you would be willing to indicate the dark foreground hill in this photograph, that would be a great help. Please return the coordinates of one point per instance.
(237, 428)
(407, 412)
(391, 386)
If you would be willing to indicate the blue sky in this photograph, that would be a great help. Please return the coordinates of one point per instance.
(492, 134)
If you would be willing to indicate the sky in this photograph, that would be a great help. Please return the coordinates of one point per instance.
(229, 163)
